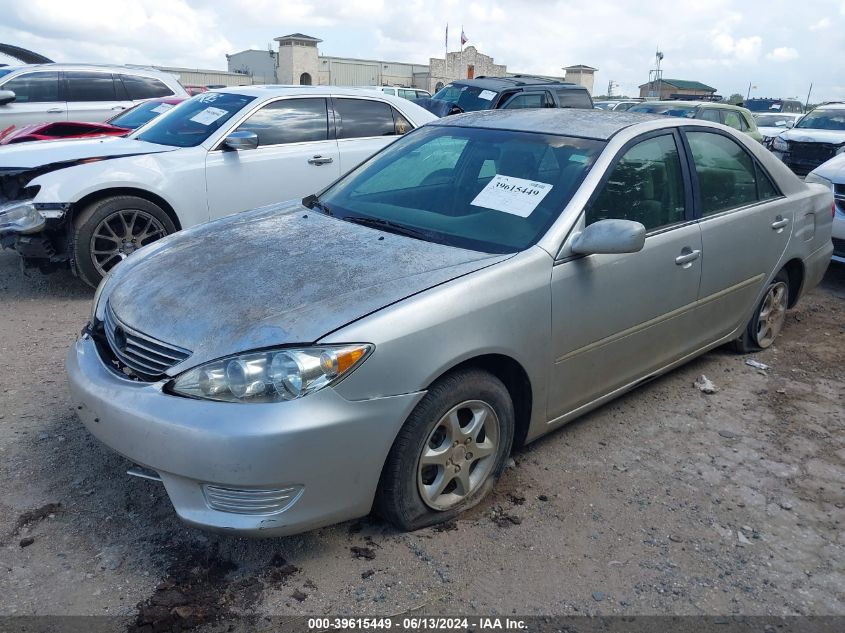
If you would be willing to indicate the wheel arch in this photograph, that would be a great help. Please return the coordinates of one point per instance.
(101, 194)
(794, 269)
(516, 381)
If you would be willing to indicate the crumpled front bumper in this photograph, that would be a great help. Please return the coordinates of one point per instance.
(330, 447)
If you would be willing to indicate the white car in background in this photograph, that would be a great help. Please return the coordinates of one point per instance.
(399, 91)
(47, 93)
(832, 174)
(770, 124)
(91, 203)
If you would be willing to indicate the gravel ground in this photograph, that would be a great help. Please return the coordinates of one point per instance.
(666, 501)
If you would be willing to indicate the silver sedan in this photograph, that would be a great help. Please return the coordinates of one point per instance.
(477, 284)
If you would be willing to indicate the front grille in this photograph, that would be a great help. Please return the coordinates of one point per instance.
(251, 501)
(816, 153)
(838, 247)
(144, 356)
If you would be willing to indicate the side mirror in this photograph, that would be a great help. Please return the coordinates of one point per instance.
(610, 236)
(790, 124)
(241, 140)
(6, 96)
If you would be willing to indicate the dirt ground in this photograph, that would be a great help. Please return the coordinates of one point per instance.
(666, 501)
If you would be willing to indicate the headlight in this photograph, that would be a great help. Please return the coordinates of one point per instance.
(20, 216)
(270, 376)
(780, 144)
(814, 177)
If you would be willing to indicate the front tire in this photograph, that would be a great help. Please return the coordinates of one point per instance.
(769, 317)
(110, 230)
(450, 452)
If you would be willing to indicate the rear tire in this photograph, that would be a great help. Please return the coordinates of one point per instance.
(768, 319)
(110, 230)
(450, 452)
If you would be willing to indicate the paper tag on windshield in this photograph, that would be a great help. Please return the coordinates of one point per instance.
(164, 107)
(208, 116)
(516, 196)
(487, 95)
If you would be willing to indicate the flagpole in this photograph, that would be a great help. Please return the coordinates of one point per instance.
(463, 68)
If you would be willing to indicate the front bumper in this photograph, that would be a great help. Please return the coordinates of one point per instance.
(332, 448)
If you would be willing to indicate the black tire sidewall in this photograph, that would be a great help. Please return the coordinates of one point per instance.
(399, 499)
(86, 222)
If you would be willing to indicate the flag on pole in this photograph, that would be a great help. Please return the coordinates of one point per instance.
(447, 36)
(463, 37)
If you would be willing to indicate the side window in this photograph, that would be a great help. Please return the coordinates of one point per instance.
(570, 98)
(360, 118)
(766, 189)
(289, 121)
(709, 114)
(645, 186)
(401, 124)
(726, 173)
(145, 87)
(34, 87)
(407, 94)
(732, 119)
(387, 91)
(82, 86)
(526, 100)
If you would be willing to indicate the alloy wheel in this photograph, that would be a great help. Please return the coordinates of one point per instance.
(772, 314)
(121, 234)
(458, 454)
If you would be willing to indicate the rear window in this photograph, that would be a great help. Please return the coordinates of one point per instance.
(574, 99)
(145, 87)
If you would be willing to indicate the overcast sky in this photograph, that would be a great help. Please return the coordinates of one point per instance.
(779, 46)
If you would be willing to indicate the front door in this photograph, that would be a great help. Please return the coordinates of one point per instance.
(618, 318)
(94, 96)
(296, 156)
(745, 226)
(38, 99)
(364, 126)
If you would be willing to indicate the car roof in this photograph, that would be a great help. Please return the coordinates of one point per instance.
(266, 90)
(140, 70)
(500, 83)
(595, 124)
(831, 106)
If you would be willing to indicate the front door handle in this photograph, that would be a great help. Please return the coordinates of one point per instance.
(119, 108)
(685, 259)
(779, 223)
(55, 111)
(320, 160)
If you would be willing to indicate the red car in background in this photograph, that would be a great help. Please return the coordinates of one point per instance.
(119, 125)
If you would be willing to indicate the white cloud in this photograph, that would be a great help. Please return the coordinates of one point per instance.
(822, 24)
(743, 49)
(782, 54)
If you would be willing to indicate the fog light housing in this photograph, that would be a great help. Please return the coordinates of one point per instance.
(20, 216)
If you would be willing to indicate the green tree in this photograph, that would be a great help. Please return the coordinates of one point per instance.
(736, 99)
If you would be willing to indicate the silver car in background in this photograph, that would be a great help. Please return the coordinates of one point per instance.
(479, 283)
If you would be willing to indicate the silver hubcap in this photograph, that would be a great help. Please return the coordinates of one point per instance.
(458, 455)
(772, 315)
(120, 235)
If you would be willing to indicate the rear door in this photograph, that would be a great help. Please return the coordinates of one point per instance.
(618, 318)
(745, 226)
(94, 96)
(296, 156)
(39, 99)
(364, 126)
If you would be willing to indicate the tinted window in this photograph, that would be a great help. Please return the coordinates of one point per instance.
(195, 120)
(289, 121)
(574, 99)
(145, 87)
(645, 186)
(725, 172)
(83, 86)
(709, 114)
(456, 185)
(34, 87)
(359, 118)
(526, 100)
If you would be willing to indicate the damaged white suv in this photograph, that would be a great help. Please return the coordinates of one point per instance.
(89, 204)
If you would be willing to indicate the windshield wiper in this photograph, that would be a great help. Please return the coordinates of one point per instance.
(387, 225)
(313, 202)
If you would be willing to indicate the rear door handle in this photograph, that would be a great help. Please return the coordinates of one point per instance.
(320, 160)
(55, 111)
(778, 224)
(685, 259)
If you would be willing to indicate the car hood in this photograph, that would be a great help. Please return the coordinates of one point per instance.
(41, 153)
(810, 135)
(770, 131)
(273, 276)
(833, 170)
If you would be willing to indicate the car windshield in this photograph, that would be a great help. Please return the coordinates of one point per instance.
(495, 191)
(5, 71)
(772, 120)
(195, 120)
(133, 118)
(469, 98)
(669, 109)
(823, 120)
